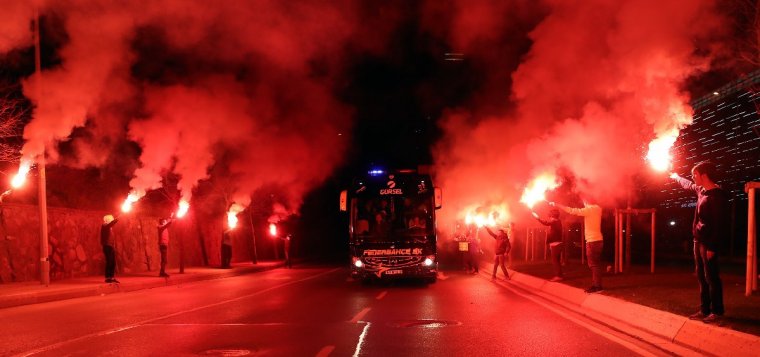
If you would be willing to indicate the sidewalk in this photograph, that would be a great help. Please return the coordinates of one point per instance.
(651, 304)
(16, 294)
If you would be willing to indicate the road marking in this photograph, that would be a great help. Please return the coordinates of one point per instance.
(148, 321)
(360, 315)
(587, 325)
(325, 351)
(381, 295)
(361, 339)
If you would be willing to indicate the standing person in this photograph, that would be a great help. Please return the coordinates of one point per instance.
(502, 249)
(226, 248)
(163, 242)
(592, 220)
(554, 241)
(286, 246)
(711, 224)
(474, 251)
(107, 241)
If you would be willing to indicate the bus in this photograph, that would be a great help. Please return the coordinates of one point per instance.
(392, 226)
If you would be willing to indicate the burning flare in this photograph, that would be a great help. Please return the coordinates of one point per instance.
(131, 199)
(482, 216)
(232, 213)
(273, 229)
(184, 206)
(23, 169)
(480, 220)
(536, 190)
(659, 151)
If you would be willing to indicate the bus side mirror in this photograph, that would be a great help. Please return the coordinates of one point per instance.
(343, 201)
(438, 198)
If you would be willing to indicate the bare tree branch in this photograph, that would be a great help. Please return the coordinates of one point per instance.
(12, 113)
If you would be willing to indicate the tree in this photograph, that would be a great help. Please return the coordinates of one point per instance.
(13, 111)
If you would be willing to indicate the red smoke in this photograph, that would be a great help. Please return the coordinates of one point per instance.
(253, 83)
(601, 79)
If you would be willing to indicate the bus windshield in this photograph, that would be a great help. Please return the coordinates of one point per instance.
(391, 218)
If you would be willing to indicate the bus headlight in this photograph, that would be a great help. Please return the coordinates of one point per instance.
(358, 263)
(429, 261)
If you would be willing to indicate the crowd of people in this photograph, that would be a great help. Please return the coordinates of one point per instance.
(710, 227)
(377, 217)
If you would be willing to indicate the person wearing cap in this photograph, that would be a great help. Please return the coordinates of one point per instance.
(502, 249)
(554, 240)
(107, 241)
(163, 242)
(592, 221)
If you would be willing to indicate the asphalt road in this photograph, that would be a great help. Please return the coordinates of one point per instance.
(315, 311)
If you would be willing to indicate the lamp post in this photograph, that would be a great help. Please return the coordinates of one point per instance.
(42, 193)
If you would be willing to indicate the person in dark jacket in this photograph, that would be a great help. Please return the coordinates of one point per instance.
(226, 248)
(710, 226)
(286, 240)
(163, 242)
(502, 249)
(473, 250)
(554, 241)
(107, 241)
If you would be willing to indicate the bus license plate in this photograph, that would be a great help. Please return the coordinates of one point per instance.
(393, 272)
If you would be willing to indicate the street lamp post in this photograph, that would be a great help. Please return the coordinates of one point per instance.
(42, 193)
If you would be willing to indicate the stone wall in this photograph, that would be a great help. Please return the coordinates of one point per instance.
(75, 250)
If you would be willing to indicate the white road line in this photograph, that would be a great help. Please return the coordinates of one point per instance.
(148, 321)
(361, 339)
(325, 351)
(381, 295)
(587, 325)
(360, 315)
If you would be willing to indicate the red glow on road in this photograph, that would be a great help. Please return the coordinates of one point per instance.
(184, 206)
(536, 190)
(273, 229)
(19, 179)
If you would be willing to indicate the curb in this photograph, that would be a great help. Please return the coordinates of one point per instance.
(41, 296)
(705, 338)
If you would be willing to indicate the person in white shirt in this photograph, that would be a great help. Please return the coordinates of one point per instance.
(592, 220)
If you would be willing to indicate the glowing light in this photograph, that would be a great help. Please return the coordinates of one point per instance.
(232, 219)
(272, 229)
(184, 206)
(131, 199)
(358, 263)
(376, 172)
(486, 216)
(536, 190)
(19, 179)
(428, 262)
(659, 151)
(480, 220)
(672, 223)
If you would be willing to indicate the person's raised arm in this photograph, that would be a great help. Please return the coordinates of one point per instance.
(537, 217)
(574, 211)
(491, 232)
(685, 183)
